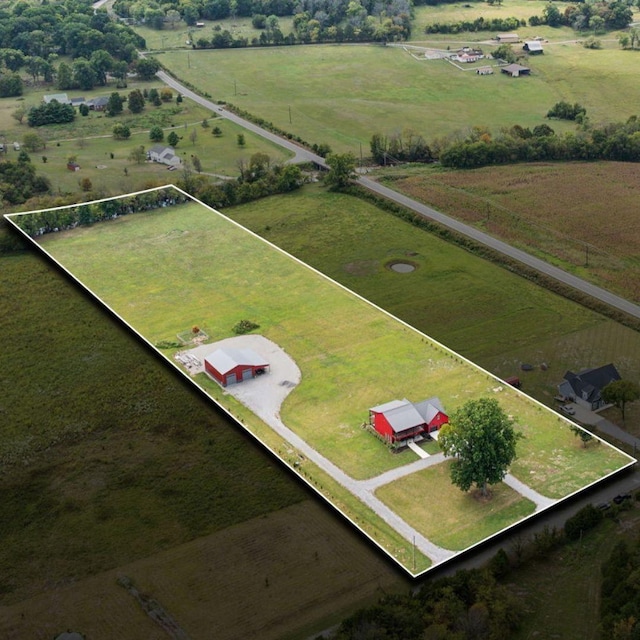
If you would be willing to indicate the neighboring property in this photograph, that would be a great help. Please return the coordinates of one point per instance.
(533, 47)
(515, 70)
(73, 166)
(466, 54)
(507, 38)
(62, 98)
(228, 366)
(98, 104)
(164, 155)
(584, 388)
(76, 102)
(484, 71)
(401, 421)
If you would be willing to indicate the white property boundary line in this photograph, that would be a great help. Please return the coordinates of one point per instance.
(454, 554)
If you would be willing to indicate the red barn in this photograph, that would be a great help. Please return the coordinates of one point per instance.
(228, 366)
(400, 420)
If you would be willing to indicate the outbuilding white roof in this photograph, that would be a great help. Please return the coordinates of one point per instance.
(227, 359)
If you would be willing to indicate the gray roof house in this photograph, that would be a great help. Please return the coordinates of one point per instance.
(585, 387)
(62, 98)
(164, 155)
(400, 420)
(98, 104)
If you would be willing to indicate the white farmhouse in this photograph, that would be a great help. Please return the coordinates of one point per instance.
(164, 155)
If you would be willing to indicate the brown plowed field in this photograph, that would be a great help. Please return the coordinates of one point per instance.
(566, 212)
(269, 577)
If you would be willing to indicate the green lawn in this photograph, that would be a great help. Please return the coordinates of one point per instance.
(104, 160)
(138, 266)
(451, 518)
(454, 297)
(342, 95)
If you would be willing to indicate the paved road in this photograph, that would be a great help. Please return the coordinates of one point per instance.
(304, 155)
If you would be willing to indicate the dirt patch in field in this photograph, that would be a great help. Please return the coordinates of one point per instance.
(266, 578)
(362, 267)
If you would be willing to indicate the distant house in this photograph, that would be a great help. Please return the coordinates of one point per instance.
(484, 71)
(515, 70)
(401, 421)
(98, 104)
(163, 155)
(533, 47)
(62, 98)
(199, 25)
(73, 166)
(466, 54)
(76, 102)
(584, 388)
(229, 366)
(507, 38)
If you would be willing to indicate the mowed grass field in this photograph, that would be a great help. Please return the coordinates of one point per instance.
(343, 94)
(479, 310)
(579, 215)
(333, 336)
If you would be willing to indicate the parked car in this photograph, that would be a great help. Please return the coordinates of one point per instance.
(568, 409)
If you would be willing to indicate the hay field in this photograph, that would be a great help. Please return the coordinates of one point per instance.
(137, 267)
(343, 94)
(582, 216)
(279, 576)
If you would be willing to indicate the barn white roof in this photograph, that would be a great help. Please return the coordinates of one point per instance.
(227, 359)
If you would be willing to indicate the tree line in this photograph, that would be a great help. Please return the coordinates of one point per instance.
(595, 16)
(314, 20)
(41, 222)
(34, 36)
(614, 141)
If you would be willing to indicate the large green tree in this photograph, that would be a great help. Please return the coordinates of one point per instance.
(482, 440)
(620, 392)
(135, 101)
(342, 171)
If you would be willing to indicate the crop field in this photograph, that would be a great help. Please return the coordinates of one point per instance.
(342, 95)
(562, 212)
(106, 456)
(145, 256)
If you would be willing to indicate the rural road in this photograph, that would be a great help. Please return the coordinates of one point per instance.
(304, 155)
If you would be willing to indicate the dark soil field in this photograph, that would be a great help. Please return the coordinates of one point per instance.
(581, 216)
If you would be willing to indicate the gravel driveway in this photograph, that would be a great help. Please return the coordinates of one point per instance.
(263, 394)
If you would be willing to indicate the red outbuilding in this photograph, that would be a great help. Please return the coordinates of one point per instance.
(400, 420)
(228, 366)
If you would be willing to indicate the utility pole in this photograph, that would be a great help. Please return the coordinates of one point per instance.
(235, 88)
(586, 261)
(289, 114)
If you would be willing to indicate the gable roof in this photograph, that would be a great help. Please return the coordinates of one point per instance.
(403, 414)
(588, 384)
(226, 359)
(102, 101)
(514, 68)
(533, 45)
(62, 98)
